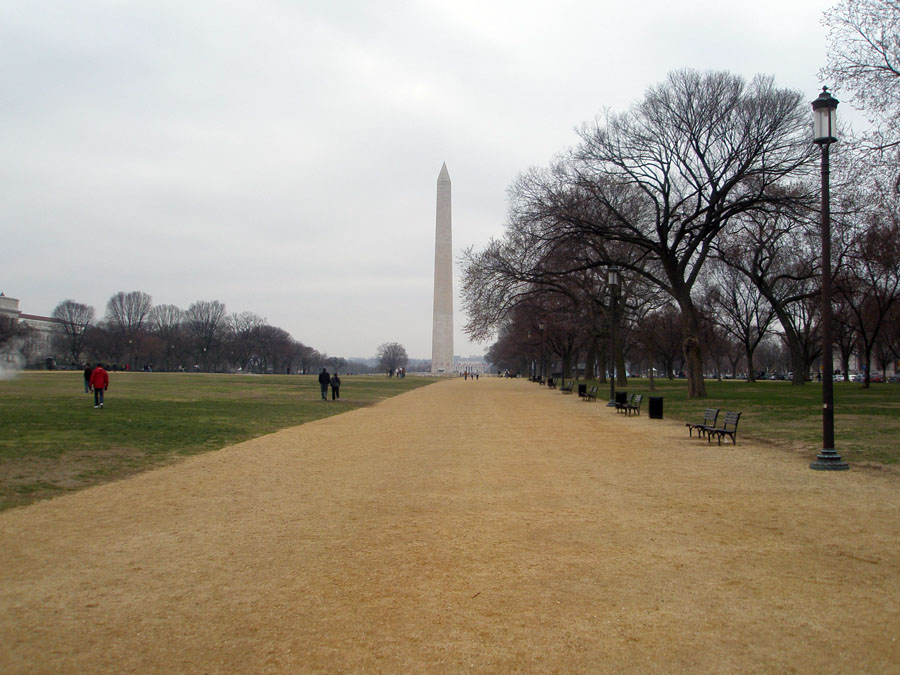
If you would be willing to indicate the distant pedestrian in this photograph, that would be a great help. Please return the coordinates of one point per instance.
(335, 387)
(324, 381)
(87, 378)
(99, 383)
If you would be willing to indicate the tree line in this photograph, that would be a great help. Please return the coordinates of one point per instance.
(135, 333)
(705, 196)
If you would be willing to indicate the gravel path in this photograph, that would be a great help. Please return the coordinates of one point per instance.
(467, 526)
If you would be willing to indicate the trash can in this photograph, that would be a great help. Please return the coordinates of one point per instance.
(582, 390)
(656, 407)
(621, 397)
(550, 382)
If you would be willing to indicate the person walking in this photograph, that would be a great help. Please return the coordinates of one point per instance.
(324, 381)
(87, 378)
(99, 383)
(335, 387)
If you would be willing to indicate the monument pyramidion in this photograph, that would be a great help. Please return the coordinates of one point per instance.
(442, 333)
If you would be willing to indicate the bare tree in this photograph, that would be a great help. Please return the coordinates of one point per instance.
(272, 348)
(242, 342)
(165, 320)
(336, 363)
(75, 319)
(864, 59)
(892, 335)
(127, 312)
(664, 179)
(777, 251)
(166, 324)
(305, 358)
(204, 320)
(870, 283)
(739, 307)
(658, 336)
(392, 355)
(517, 348)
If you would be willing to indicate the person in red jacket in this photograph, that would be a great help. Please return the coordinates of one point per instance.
(99, 383)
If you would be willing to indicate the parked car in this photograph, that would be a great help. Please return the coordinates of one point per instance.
(894, 378)
(876, 377)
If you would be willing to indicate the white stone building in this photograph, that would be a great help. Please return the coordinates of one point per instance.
(38, 345)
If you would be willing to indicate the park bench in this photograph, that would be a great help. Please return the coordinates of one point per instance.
(622, 406)
(710, 415)
(591, 394)
(728, 428)
(566, 388)
(635, 405)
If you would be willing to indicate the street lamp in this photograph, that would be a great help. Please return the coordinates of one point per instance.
(613, 281)
(541, 328)
(824, 129)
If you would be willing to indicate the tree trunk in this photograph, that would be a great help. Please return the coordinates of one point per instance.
(798, 358)
(867, 366)
(690, 345)
(799, 365)
(694, 366)
(621, 375)
(590, 362)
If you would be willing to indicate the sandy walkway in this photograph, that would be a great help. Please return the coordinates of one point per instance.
(486, 526)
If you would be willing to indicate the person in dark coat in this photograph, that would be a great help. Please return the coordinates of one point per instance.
(324, 381)
(335, 387)
(87, 378)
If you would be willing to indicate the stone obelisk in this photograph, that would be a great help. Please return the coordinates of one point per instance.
(442, 334)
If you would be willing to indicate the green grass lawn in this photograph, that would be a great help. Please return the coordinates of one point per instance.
(52, 440)
(866, 421)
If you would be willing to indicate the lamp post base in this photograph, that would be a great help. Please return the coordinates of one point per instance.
(611, 403)
(829, 460)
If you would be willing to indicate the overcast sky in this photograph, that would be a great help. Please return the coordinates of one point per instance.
(281, 156)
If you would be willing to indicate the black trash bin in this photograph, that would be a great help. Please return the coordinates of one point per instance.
(582, 390)
(656, 407)
(621, 397)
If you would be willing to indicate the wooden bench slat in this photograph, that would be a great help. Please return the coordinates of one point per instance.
(710, 415)
(635, 405)
(728, 428)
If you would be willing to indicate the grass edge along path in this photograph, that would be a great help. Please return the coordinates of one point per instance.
(53, 441)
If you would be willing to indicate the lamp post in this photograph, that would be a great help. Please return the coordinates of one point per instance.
(613, 281)
(541, 328)
(824, 129)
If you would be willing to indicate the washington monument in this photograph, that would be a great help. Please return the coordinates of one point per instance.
(442, 334)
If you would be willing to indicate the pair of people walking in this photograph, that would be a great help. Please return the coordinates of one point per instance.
(334, 381)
